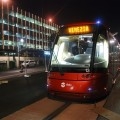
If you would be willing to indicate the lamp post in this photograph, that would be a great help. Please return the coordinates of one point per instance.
(3, 1)
(25, 54)
(18, 65)
(19, 41)
(46, 52)
(2, 28)
(2, 24)
(26, 75)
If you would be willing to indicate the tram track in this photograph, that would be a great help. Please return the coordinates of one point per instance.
(58, 111)
(47, 109)
(44, 109)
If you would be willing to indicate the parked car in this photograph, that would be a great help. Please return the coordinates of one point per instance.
(28, 63)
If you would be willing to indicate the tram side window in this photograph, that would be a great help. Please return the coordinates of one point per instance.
(101, 55)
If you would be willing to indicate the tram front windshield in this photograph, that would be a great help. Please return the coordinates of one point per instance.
(76, 50)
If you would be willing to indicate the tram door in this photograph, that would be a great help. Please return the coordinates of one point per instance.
(114, 57)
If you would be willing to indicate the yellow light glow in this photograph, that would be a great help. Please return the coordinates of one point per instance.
(78, 29)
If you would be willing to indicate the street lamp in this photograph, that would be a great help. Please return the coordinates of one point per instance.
(19, 41)
(2, 27)
(25, 54)
(26, 75)
(3, 1)
(46, 52)
(50, 19)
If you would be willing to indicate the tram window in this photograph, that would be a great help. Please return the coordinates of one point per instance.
(82, 45)
(88, 50)
(73, 50)
(101, 55)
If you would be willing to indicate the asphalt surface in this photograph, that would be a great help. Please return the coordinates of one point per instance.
(18, 73)
(18, 91)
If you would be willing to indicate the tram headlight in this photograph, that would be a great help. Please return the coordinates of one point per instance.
(89, 89)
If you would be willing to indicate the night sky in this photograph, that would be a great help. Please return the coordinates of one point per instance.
(67, 11)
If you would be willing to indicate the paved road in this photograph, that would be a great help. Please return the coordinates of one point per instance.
(19, 92)
(17, 73)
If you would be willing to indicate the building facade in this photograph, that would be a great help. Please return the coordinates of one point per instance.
(21, 30)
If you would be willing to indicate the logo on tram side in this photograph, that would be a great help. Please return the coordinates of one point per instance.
(63, 84)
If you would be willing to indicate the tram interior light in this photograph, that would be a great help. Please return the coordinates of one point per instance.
(22, 40)
(112, 41)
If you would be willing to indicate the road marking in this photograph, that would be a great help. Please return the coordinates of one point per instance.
(110, 115)
(19, 74)
(9, 76)
(3, 81)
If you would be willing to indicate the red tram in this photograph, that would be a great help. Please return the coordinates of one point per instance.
(79, 62)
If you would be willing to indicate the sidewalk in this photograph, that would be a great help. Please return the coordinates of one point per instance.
(111, 109)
